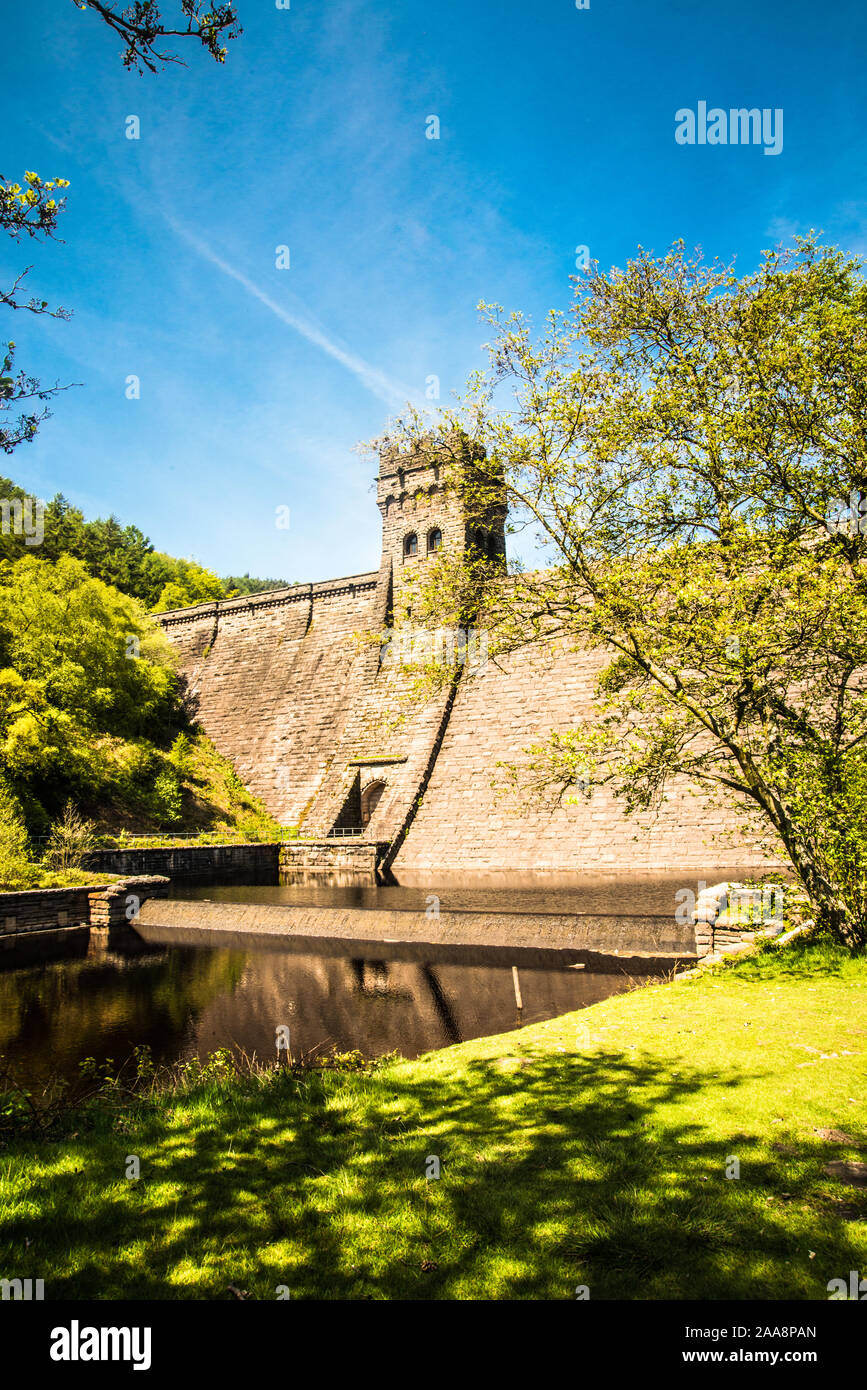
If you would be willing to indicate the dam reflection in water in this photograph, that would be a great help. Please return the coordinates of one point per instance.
(381, 1006)
(184, 1001)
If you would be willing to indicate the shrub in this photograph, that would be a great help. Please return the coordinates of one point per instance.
(70, 839)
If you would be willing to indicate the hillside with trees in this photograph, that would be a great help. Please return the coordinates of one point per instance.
(118, 555)
(95, 735)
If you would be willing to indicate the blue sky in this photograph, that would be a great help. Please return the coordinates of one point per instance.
(556, 130)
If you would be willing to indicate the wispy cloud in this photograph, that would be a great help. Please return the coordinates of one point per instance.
(393, 393)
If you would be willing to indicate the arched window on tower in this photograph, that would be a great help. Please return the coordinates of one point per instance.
(410, 544)
(434, 540)
(479, 541)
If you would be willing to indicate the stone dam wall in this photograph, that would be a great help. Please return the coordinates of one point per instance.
(288, 689)
(292, 688)
(639, 945)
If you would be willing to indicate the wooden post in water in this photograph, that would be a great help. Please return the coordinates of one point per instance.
(517, 983)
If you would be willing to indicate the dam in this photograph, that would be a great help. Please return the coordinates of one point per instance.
(410, 905)
(290, 685)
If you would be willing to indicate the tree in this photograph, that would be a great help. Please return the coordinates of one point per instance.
(690, 448)
(237, 584)
(186, 583)
(118, 555)
(141, 27)
(26, 210)
(89, 690)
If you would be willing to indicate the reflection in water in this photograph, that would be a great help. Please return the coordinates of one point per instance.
(183, 1001)
(53, 1016)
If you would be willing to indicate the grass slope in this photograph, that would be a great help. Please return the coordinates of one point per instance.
(589, 1150)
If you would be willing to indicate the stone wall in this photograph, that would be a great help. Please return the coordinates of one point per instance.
(290, 692)
(729, 917)
(289, 689)
(467, 820)
(324, 856)
(37, 910)
(269, 676)
(44, 922)
(193, 863)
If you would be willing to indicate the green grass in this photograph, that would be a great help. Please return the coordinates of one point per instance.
(591, 1150)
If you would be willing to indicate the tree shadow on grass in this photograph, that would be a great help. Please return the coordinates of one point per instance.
(555, 1172)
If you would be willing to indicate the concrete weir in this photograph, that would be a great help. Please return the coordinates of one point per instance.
(636, 945)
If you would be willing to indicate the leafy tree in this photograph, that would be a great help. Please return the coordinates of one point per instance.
(16, 869)
(179, 582)
(71, 838)
(32, 209)
(26, 210)
(194, 585)
(690, 448)
(118, 555)
(80, 665)
(243, 584)
(141, 27)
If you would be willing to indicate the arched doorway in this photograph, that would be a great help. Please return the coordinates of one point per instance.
(370, 797)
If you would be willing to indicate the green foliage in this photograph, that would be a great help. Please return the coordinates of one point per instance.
(88, 690)
(78, 659)
(145, 780)
(71, 838)
(181, 755)
(589, 1149)
(118, 555)
(16, 870)
(168, 798)
(30, 209)
(243, 584)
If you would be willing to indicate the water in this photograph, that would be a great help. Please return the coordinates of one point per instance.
(612, 896)
(187, 1000)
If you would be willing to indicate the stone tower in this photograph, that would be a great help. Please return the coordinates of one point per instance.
(422, 516)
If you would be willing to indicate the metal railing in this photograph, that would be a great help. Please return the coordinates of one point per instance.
(172, 837)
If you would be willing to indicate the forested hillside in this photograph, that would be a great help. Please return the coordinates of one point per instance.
(119, 555)
(95, 733)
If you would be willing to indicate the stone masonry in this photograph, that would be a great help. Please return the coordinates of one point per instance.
(290, 686)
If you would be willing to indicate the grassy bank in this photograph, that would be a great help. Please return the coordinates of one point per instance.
(589, 1150)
